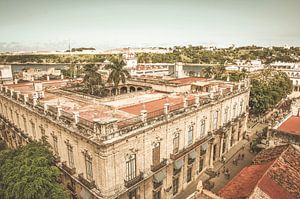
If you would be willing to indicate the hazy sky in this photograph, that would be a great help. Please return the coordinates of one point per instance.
(119, 23)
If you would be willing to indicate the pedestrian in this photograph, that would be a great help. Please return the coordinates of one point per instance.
(239, 156)
(243, 156)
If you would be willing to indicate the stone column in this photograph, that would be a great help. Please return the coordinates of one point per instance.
(211, 146)
(45, 107)
(228, 140)
(11, 92)
(59, 109)
(185, 102)
(166, 108)
(144, 115)
(18, 94)
(25, 98)
(221, 144)
(197, 100)
(76, 117)
(34, 100)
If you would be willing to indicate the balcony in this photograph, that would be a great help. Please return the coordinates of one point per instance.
(137, 179)
(71, 171)
(88, 183)
(163, 163)
(56, 158)
(189, 148)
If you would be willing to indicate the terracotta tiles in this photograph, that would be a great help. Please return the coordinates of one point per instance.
(242, 185)
(291, 125)
(275, 171)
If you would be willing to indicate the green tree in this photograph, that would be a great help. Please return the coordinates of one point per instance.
(117, 72)
(29, 173)
(268, 88)
(209, 72)
(92, 78)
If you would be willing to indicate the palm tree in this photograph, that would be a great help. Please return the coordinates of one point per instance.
(117, 72)
(92, 77)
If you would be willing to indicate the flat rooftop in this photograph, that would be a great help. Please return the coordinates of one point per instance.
(118, 108)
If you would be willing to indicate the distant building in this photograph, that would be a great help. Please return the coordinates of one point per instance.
(5, 73)
(293, 71)
(274, 174)
(249, 66)
(35, 73)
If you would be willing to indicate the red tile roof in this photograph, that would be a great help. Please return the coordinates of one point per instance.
(242, 185)
(153, 106)
(272, 189)
(278, 176)
(291, 125)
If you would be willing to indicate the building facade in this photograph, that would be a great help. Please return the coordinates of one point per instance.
(150, 146)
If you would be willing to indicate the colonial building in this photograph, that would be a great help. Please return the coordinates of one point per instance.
(150, 144)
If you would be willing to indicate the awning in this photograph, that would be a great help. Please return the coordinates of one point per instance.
(85, 194)
(178, 164)
(159, 177)
(192, 155)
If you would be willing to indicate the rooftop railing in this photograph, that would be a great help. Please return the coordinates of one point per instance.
(104, 129)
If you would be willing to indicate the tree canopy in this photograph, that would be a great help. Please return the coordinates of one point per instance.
(117, 72)
(92, 78)
(28, 172)
(268, 88)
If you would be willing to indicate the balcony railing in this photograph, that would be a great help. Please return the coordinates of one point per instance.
(137, 179)
(157, 185)
(89, 183)
(71, 171)
(159, 166)
(189, 148)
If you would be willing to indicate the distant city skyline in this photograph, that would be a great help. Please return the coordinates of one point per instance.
(50, 25)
